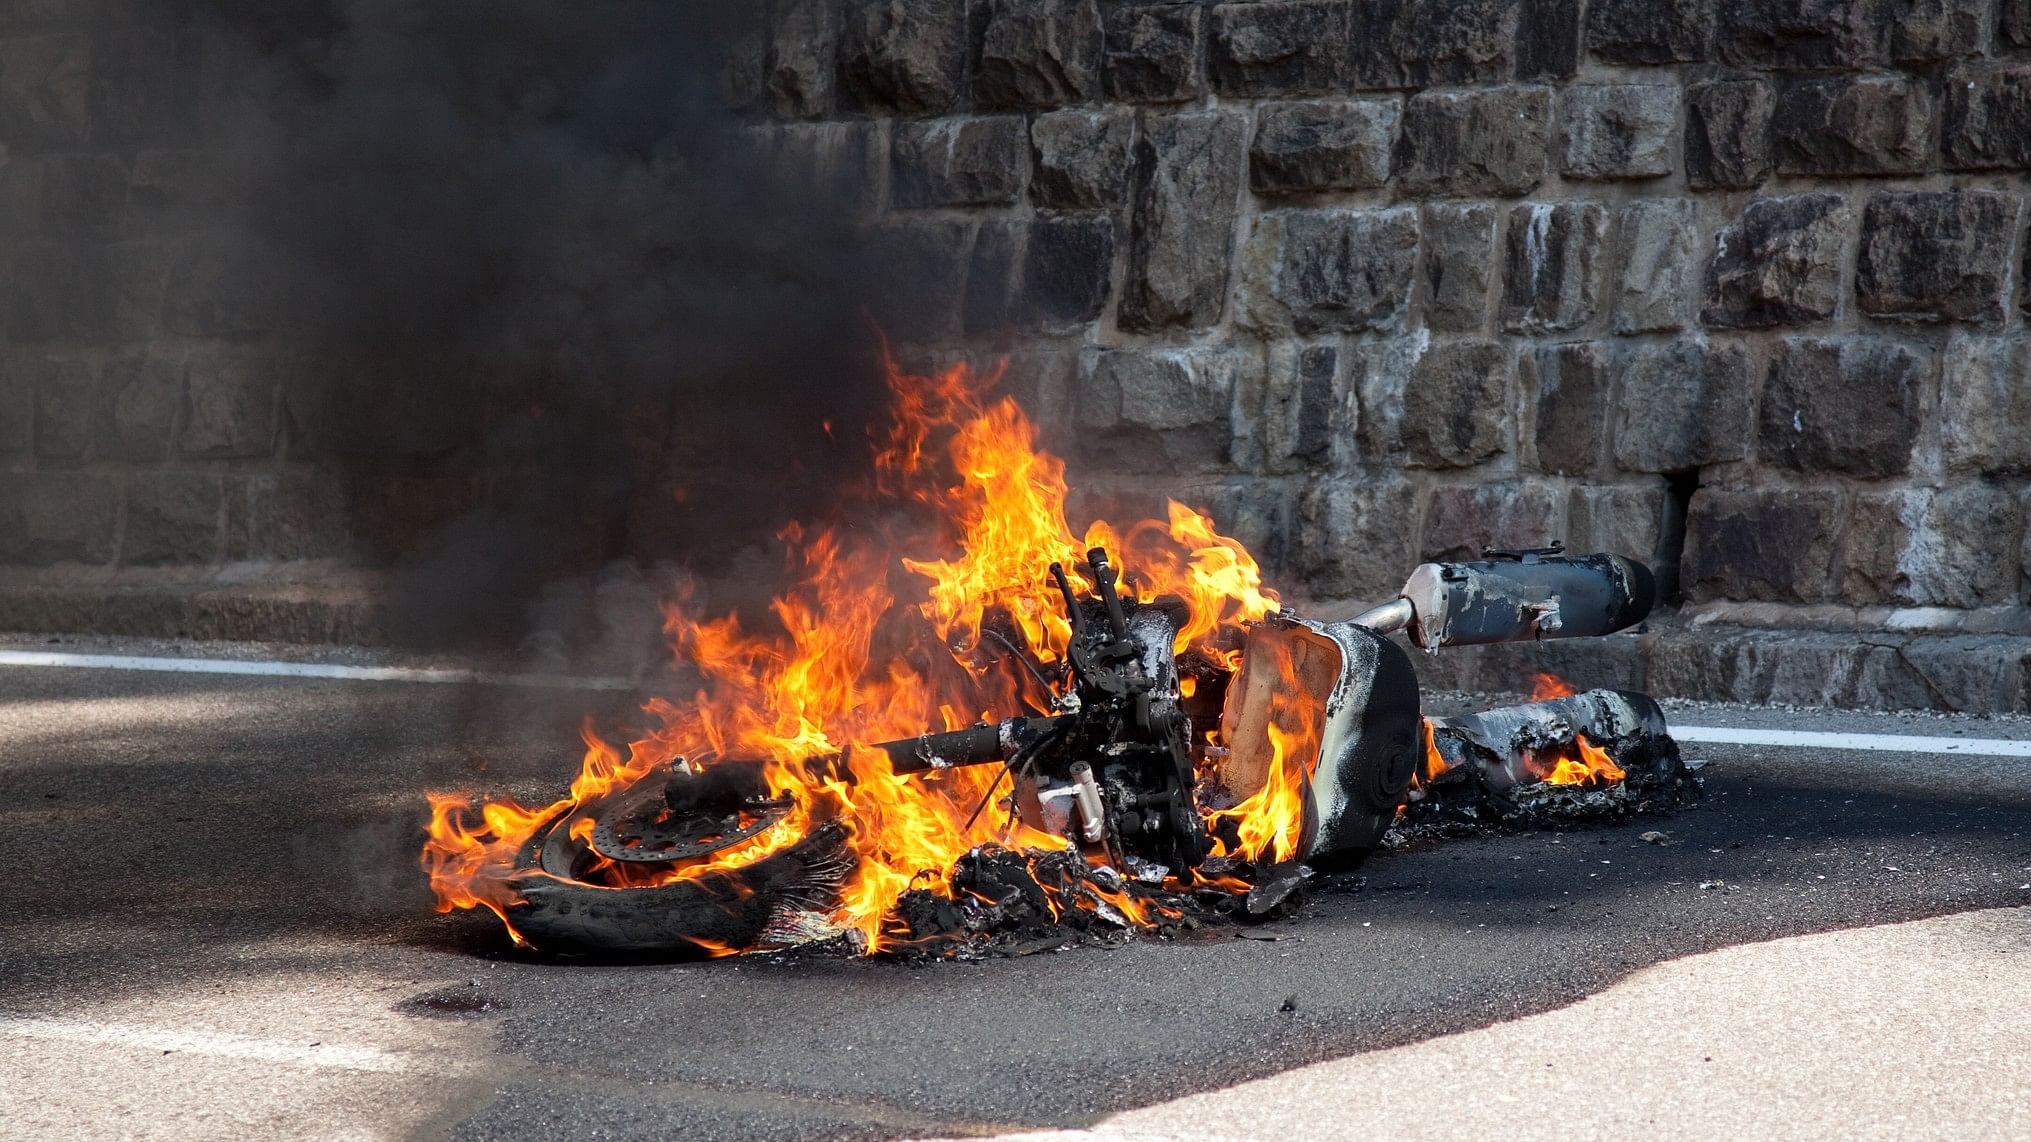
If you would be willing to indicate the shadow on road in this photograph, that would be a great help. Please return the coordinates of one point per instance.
(159, 829)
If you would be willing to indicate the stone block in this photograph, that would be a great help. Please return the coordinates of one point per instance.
(1156, 410)
(744, 49)
(1460, 522)
(1657, 281)
(66, 391)
(1153, 51)
(140, 271)
(62, 291)
(1308, 417)
(1038, 53)
(1811, 668)
(1649, 31)
(181, 189)
(1985, 406)
(137, 401)
(20, 194)
(1352, 534)
(156, 609)
(1434, 42)
(1781, 265)
(399, 409)
(1257, 512)
(1080, 159)
(1682, 405)
(45, 91)
(1765, 546)
(1299, 47)
(1323, 145)
(1926, 31)
(1462, 144)
(834, 163)
(58, 517)
(1456, 405)
(1988, 118)
(1042, 382)
(1459, 253)
(1799, 35)
(1378, 373)
(1565, 387)
(1051, 274)
(959, 162)
(394, 517)
(1973, 674)
(918, 277)
(340, 615)
(1551, 268)
(173, 517)
(1696, 663)
(1845, 406)
(132, 98)
(226, 287)
(226, 80)
(2013, 24)
(1727, 133)
(229, 407)
(1933, 547)
(906, 56)
(1335, 271)
(991, 276)
(84, 194)
(1186, 182)
(798, 63)
(1618, 130)
(1548, 39)
(1624, 520)
(294, 514)
(1936, 255)
(17, 409)
(1320, 414)
(1875, 125)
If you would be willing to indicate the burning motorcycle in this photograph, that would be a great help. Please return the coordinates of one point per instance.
(1145, 738)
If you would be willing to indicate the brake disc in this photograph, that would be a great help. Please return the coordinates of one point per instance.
(639, 826)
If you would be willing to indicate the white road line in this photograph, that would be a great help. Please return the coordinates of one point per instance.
(1718, 735)
(304, 670)
(1815, 739)
(219, 1044)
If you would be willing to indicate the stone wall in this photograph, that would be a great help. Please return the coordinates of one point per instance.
(1736, 286)
(144, 414)
(297, 299)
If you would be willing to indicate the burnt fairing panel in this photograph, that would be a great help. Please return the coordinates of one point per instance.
(1363, 745)
(1369, 752)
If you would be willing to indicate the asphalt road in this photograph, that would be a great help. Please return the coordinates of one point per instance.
(213, 924)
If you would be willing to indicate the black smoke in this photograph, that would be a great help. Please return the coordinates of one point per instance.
(563, 307)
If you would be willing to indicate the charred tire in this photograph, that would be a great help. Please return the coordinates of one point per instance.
(559, 913)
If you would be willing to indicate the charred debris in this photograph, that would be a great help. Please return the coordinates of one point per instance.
(1496, 779)
(1151, 766)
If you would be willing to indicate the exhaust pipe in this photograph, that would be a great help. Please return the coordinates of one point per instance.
(1513, 596)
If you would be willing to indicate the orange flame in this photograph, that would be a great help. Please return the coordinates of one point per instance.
(1435, 762)
(1269, 822)
(853, 655)
(1546, 686)
(1582, 763)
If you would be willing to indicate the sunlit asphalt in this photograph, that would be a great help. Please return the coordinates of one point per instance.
(212, 927)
